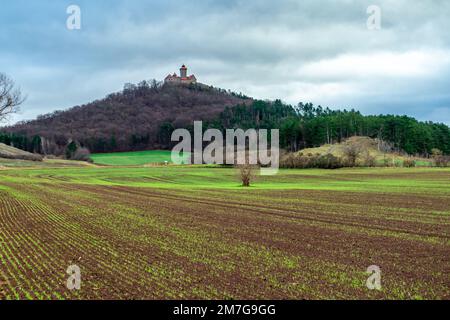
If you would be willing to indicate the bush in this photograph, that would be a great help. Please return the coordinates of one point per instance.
(300, 161)
(398, 163)
(327, 161)
(75, 152)
(351, 152)
(82, 154)
(369, 161)
(441, 161)
(387, 162)
(409, 163)
(287, 161)
(436, 152)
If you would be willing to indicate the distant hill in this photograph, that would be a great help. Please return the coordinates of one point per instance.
(8, 152)
(141, 117)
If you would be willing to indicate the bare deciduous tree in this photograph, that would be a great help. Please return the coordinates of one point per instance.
(10, 97)
(352, 151)
(246, 173)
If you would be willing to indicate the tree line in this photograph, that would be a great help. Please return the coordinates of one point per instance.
(306, 126)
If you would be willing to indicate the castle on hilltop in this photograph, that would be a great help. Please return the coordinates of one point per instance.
(182, 79)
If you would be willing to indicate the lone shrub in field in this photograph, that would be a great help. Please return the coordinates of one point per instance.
(246, 174)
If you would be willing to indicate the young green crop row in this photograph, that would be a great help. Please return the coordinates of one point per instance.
(192, 232)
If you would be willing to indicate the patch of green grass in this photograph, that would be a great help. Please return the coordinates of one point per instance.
(137, 158)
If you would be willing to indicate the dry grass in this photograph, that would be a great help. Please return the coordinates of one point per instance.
(9, 152)
(369, 148)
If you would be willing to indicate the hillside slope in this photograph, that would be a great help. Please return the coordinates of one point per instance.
(8, 152)
(380, 151)
(337, 149)
(138, 118)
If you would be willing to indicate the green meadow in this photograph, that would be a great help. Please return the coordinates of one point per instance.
(133, 158)
(397, 180)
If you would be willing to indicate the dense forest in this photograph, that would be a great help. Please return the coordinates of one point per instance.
(144, 116)
(305, 126)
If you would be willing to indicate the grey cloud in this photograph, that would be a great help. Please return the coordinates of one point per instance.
(262, 48)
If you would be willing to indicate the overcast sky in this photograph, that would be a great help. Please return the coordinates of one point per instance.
(311, 51)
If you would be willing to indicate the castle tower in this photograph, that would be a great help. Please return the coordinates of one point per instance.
(183, 71)
(182, 79)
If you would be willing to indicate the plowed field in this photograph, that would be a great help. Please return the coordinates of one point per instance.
(193, 232)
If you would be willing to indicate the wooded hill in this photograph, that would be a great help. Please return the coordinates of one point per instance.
(143, 117)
